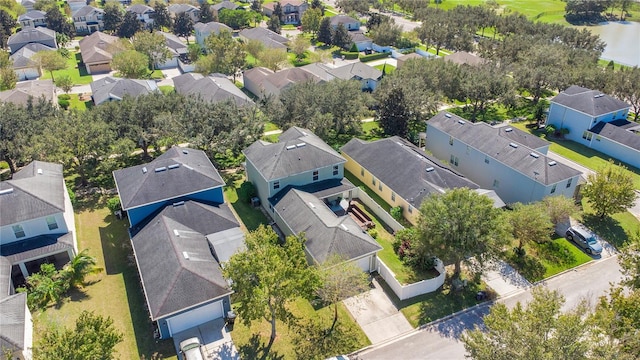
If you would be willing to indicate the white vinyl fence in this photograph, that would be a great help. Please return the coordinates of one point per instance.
(408, 291)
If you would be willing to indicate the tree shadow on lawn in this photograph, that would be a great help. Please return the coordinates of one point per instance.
(608, 228)
(256, 349)
(116, 246)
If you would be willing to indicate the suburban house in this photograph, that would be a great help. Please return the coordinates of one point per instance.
(16, 329)
(33, 18)
(181, 231)
(75, 5)
(177, 49)
(299, 181)
(509, 161)
(598, 121)
(292, 10)
(192, 11)
(202, 30)
(88, 19)
(403, 174)
(28, 4)
(226, 4)
(23, 65)
(362, 41)
(97, 50)
(213, 88)
(464, 58)
(404, 58)
(145, 14)
(36, 221)
(368, 76)
(267, 37)
(263, 82)
(32, 35)
(348, 22)
(25, 90)
(114, 89)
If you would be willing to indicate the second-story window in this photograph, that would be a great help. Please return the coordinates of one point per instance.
(315, 175)
(335, 169)
(51, 223)
(18, 231)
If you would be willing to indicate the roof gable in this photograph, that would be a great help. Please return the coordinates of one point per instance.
(298, 151)
(356, 70)
(213, 88)
(590, 102)
(176, 173)
(97, 47)
(115, 88)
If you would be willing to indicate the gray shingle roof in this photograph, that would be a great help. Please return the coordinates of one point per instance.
(267, 37)
(13, 322)
(109, 88)
(32, 35)
(356, 70)
(97, 47)
(32, 15)
(25, 89)
(5, 277)
(213, 88)
(493, 143)
(590, 102)
(358, 36)
(327, 234)
(622, 131)
(140, 9)
(402, 167)
(274, 161)
(281, 79)
(194, 173)
(174, 43)
(464, 58)
(86, 10)
(180, 8)
(22, 57)
(34, 195)
(225, 5)
(176, 266)
(342, 19)
(211, 27)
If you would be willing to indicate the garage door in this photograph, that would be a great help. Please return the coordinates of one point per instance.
(195, 317)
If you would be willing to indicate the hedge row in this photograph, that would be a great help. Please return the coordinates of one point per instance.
(376, 56)
(348, 55)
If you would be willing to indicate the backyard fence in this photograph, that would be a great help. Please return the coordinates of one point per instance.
(381, 213)
(404, 292)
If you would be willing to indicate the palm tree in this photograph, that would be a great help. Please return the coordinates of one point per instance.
(76, 270)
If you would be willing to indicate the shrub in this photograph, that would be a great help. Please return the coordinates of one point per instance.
(373, 233)
(396, 213)
(354, 48)
(64, 103)
(348, 55)
(64, 97)
(376, 56)
(298, 63)
(72, 195)
(114, 204)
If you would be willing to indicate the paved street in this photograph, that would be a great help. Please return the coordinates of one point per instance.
(440, 340)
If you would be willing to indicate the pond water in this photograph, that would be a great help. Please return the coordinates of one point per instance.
(622, 39)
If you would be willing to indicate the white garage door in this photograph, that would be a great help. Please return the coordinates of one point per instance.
(195, 317)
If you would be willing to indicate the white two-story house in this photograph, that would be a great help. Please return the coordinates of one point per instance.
(509, 161)
(598, 121)
(88, 19)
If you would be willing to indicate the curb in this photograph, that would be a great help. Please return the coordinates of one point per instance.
(587, 264)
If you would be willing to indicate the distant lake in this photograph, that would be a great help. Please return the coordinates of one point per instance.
(622, 39)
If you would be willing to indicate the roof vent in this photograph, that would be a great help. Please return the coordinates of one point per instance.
(39, 171)
(598, 96)
(513, 145)
(534, 155)
(185, 151)
(188, 167)
(461, 122)
(291, 147)
(176, 232)
(174, 166)
(551, 163)
(160, 169)
(301, 144)
(430, 169)
(144, 170)
(447, 115)
(178, 203)
(6, 191)
(344, 227)
(508, 129)
(185, 254)
(311, 204)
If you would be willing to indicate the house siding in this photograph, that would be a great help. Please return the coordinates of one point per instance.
(512, 186)
(260, 183)
(33, 227)
(577, 122)
(386, 193)
(615, 149)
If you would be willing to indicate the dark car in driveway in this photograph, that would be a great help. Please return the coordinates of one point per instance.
(585, 239)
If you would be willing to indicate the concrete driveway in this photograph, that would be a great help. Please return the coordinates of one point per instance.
(215, 338)
(376, 314)
(504, 279)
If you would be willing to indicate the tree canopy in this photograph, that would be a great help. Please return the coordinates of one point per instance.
(610, 190)
(153, 45)
(131, 64)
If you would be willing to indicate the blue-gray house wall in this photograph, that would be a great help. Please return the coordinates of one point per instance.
(138, 214)
(616, 150)
(577, 122)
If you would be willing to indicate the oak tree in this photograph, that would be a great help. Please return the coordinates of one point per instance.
(610, 190)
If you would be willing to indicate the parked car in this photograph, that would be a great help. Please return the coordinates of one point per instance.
(191, 349)
(585, 238)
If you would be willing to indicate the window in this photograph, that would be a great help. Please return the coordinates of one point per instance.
(276, 184)
(380, 186)
(553, 188)
(18, 231)
(598, 138)
(315, 175)
(393, 196)
(410, 209)
(361, 171)
(51, 223)
(467, 149)
(496, 183)
(335, 169)
(569, 183)
(587, 135)
(373, 181)
(454, 160)
(450, 140)
(486, 159)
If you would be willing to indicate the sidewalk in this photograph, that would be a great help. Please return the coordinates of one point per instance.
(504, 279)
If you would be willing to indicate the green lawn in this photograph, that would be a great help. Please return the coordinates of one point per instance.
(388, 69)
(76, 103)
(355, 181)
(612, 228)
(166, 89)
(115, 292)
(571, 251)
(76, 72)
(237, 193)
(269, 126)
(249, 340)
(579, 153)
